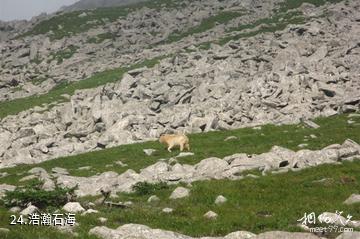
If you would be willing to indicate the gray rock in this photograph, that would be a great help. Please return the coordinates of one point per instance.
(61, 171)
(311, 124)
(285, 235)
(102, 219)
(354, 198)
(349, 235)
(85, 168)
(184, 154)
(153, 198)
(230, 138)
(73, 207)
(240, 235)
(180, 192)
(29, 210)
(134, 231)
(167, 210)
(15, 209)
(210, 215)
(149, 152)
(4, 230)
(89, 211)
(5, 187)
(220, 200)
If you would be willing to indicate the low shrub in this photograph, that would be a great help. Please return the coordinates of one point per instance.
(34, 194)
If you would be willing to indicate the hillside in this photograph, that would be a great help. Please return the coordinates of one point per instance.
(92, 4)
(267, 91)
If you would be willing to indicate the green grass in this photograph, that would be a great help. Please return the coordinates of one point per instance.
(38, 80)
(211, 144)
(207, 24)
(62, 25)
(291, 4)
(286, 197)
(15, 106)
(59, 56)
(100, 38)
(275, 23)
(286, 14)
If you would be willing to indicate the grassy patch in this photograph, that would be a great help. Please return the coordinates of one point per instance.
(38, 80)
(101, 78)
(145, 188)
(59, 56)
(272, 24)
(283, 16)
(291, 4)
(101, 37)
(273, 202)
(207, 24)
(204, 145)
(37, 60)
(62, 25)
(34, 194)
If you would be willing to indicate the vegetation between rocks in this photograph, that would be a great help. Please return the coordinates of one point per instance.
(56, 94)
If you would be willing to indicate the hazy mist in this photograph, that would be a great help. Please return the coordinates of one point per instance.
(25, 9)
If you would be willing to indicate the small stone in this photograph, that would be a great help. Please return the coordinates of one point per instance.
(302, 145)
(73, 207)
(15, 209)
(149, 152)
(230, 138)
(252, 176)
(173, 161)
(26, 178)
(89, 211)
(85, 168)
(304, 227)
(240, 235)
(61, 171)
(311, 124)
(37, 171)
(102, 219)
(121, 163)
(257, 127)
(354, 198)
(350, 121)
(153, 198)
(220, 200)
(184, 154)
(4, 230)
(29, 210)
(210, 215)
(313, 136)
(167, 210)
(128, 203)
(137, 71)
(180, 192)
(353, 115)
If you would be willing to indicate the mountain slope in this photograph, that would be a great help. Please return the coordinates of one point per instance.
(91, 4)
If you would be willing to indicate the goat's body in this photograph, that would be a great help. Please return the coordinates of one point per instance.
(173, 140)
